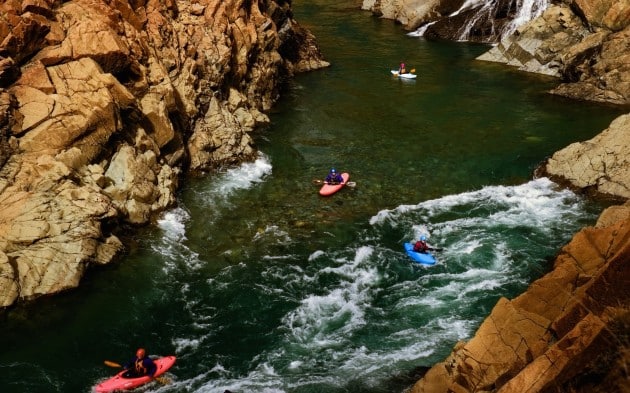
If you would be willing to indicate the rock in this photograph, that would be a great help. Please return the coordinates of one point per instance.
(546, 337)
(600, 165)
(600, 72)
(538, 45)
(612, 15)
(592, 62)
(103, 105)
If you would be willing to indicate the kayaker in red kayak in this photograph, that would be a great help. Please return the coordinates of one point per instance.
(140, 366)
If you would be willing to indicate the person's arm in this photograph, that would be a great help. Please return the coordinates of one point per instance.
(128, 365)
(151, 367)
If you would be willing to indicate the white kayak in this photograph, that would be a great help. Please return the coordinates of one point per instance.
(405, 76)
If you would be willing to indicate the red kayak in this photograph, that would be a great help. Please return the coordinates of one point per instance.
(329, 189)
(118, 382)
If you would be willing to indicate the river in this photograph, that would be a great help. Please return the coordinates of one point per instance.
(258, 284)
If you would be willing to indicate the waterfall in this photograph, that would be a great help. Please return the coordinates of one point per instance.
(488, 11)
(527, 10)
(485, 10)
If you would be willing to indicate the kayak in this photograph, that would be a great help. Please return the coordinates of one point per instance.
(424, 258)
(404, 76)
(329, 189)
(118, 382)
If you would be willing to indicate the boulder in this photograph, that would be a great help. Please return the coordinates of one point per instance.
(600, 165)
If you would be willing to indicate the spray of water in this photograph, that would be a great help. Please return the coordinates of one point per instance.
(364, 310)
(486, 10)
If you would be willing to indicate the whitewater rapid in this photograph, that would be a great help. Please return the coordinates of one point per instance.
(362, 311)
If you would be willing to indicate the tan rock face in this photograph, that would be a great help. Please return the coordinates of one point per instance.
(584, 42)
(611, 14)
(103, 105)
(600, 165)
(589, 49)
(555, 331)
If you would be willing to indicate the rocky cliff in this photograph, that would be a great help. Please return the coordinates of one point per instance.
(104, 104)
(569, 332)
(584, 43)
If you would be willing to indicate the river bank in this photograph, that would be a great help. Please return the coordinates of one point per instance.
(559, 335)
(104, 107)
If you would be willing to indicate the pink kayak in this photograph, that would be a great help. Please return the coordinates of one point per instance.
(329, 189)
(118, 382)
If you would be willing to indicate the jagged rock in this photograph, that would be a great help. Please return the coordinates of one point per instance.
(599, 165)
(548, 335)
(538, 45)
(9, 71)
(593, 64)
(107, 103)
(610, 14)
(601, 72)
(412, 13)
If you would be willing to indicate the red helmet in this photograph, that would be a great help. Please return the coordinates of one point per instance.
(140, 353)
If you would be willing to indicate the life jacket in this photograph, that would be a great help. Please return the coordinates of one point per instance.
(139, 367)
(420, 246)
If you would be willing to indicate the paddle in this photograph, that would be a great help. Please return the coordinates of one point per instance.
(112, 364)
(435, 249)
(398, 73)
(351, 184)
(162, 380)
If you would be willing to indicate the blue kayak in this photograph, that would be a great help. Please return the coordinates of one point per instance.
(420, 257)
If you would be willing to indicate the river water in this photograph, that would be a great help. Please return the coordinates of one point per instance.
(258, 284)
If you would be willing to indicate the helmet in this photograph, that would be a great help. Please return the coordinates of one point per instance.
(333, 170)
(423, 238)
(140, 353)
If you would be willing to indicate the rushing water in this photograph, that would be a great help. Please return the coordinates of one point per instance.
(258, 284)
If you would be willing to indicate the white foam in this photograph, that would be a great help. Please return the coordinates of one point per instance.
(343, 297)
(242, 177)
(273, 233)
(185, 344)
(173, 223)
(315, 255)
(172, 245)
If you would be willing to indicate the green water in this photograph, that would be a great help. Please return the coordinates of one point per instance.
(258, 284)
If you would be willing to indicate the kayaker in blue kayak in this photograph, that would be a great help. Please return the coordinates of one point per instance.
(140, 365)
(333, 177)
(421, 245)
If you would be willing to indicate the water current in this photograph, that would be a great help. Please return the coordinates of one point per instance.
(258, 284)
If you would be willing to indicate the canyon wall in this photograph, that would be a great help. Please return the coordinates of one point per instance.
(104, 105)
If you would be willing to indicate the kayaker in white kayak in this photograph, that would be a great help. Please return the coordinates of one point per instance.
(140, 365)
(333, 177)
(401, 69)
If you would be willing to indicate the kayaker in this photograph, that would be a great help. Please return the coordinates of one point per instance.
(333, 177)
(401, 69)
(140, 365)
(421, 245)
